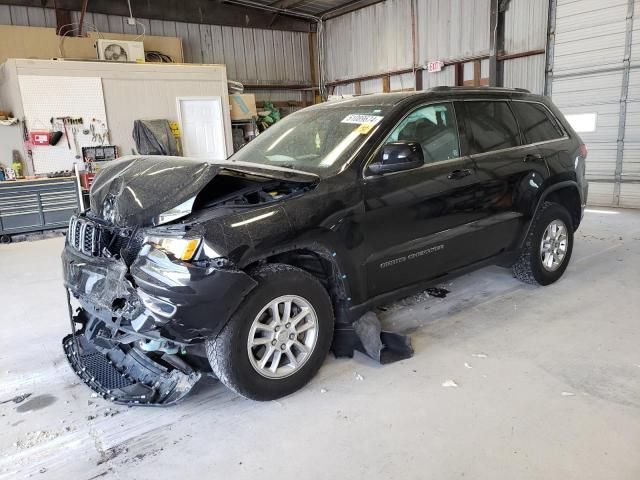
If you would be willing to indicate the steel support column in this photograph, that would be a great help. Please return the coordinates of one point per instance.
(496, 41)
(551, 45)
(624, 94)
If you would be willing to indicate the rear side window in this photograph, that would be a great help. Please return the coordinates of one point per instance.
(491, 126)
(536, 123)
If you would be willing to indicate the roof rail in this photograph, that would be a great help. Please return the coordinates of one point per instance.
(445, 88)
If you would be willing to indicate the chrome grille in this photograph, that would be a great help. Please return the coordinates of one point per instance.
(97, 240)
(84, 236)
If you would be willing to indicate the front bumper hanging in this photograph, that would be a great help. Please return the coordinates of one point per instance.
(128, 378)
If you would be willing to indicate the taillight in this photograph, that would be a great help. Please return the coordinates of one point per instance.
(583, 150)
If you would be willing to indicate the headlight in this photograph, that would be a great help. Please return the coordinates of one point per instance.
(182, 248)
(176, 212)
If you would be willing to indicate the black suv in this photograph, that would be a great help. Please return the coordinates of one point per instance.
(244, 267)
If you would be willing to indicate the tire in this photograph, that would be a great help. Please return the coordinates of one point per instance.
(236, 364)
(5, 239)
(529, 267)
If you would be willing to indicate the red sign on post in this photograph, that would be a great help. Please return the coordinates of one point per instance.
(40, 138)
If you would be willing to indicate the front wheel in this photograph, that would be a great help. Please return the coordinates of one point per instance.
(547, 250)
(277, 340)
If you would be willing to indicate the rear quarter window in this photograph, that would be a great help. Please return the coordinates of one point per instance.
(536, 122)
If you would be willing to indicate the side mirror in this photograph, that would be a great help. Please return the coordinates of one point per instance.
(396, 157)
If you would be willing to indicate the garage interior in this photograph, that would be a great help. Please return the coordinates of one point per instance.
(507, 380)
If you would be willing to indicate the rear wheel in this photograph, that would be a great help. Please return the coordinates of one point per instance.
(548, 247)
(277, 340)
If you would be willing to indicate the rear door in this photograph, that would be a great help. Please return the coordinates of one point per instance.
(509, 170)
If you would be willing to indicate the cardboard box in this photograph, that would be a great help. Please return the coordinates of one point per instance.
(242, 106)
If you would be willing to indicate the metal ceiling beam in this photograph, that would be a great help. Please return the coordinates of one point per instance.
(286, 3)
(211, 12)
(347, 8)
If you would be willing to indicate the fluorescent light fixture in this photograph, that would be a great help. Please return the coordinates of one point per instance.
(583, 122)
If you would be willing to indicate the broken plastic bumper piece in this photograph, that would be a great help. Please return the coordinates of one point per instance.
(366, 335)
(127, 377)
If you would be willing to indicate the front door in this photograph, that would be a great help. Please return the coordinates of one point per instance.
(417, 222)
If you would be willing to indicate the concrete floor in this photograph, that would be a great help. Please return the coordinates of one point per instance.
(548, 387)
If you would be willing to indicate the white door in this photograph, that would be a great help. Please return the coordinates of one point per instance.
(202, 127)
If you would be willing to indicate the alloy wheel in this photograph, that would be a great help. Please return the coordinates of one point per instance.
(554, 245)
(282, 336)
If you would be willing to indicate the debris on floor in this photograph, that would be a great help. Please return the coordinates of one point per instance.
(323, 390)
(449, 383)
(466, 365)
(17, 398)
(437, 292)
(366, 335)
(568, 394)
(358, 376)
(34, 438)
(479, 355)
(368, 330)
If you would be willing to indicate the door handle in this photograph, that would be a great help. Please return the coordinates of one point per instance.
(458, 174)
(533, 157)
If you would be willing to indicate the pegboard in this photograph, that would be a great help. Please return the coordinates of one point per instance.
(44, 97)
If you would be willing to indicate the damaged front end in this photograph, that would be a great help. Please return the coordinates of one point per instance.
(148, 272)
(139, 315)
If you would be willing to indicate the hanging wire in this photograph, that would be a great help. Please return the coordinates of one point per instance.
(75, 27)
(89, 27)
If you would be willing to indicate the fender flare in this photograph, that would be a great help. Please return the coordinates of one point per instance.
(550, 189)
(340, 272)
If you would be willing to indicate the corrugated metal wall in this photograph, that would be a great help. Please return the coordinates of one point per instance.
(525, 30)
(452, 29)
(377, 39)
(251, 55)
(526, 72)
(369, 41)
(525, 25)
(589, 78)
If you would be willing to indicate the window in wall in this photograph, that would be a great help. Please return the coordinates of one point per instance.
(583, 122)
(535, 122)
(492, 126)
(434, 127)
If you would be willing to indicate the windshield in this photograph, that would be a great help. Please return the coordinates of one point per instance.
(319, 140)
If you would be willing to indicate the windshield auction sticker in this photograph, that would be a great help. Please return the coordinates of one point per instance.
(361, 119)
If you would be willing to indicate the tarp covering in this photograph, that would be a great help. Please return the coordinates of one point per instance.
(154, 137)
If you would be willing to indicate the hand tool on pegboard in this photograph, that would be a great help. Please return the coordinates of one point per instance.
(76, 125)
(99, 131)
(64, 121)
(28, 146)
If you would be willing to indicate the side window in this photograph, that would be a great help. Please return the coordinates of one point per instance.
(492, 126)
(536, 123)
(435, 128)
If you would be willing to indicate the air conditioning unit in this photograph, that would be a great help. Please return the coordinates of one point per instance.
(120, 50)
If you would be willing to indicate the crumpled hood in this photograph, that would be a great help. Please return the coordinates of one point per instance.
(135, 190)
